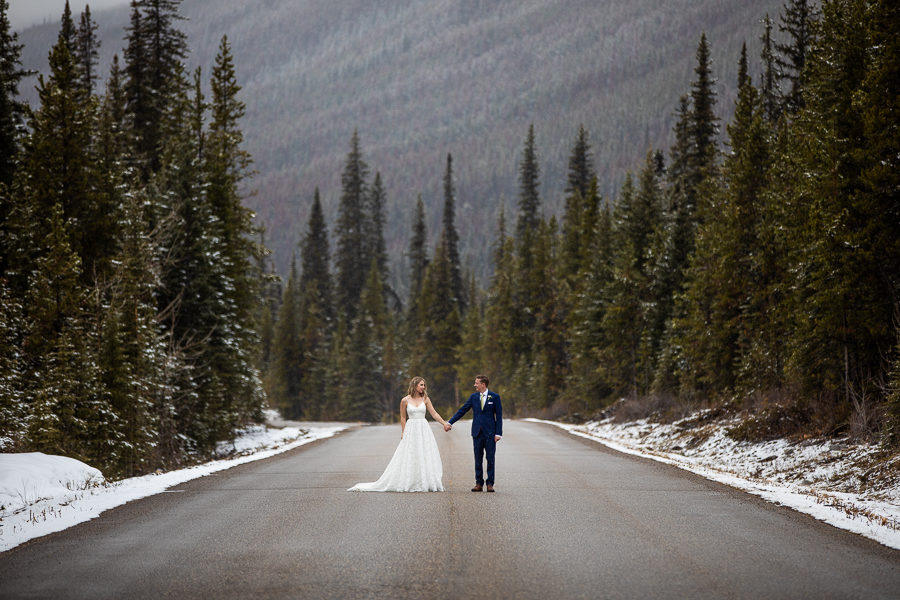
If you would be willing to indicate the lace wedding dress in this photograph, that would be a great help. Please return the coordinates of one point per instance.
(416, 464)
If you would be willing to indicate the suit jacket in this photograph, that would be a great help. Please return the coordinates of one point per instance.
(488, 420)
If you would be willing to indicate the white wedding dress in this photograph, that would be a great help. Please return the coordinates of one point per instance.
(416, 464)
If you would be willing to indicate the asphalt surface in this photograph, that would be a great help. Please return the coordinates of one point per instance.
(570, 519)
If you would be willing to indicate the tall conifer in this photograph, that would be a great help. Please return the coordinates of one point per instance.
(351, 264)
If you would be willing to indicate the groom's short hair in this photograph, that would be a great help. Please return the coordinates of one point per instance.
(483, 379)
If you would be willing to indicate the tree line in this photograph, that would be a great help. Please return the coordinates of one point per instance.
(759, 277)
(129, 275)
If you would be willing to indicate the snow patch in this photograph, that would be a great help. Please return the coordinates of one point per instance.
(42, 494)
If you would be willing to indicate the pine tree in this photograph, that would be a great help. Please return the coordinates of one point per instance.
(86, 51)
(451, 237)
(350, 262)
(797, 21)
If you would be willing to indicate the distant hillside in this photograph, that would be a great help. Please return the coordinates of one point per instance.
(423, 78)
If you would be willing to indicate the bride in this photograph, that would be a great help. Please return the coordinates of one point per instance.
(416, 464)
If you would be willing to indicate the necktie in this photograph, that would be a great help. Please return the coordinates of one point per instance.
(482, 400)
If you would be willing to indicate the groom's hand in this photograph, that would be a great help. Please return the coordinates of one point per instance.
(497, 438)
(447, 426)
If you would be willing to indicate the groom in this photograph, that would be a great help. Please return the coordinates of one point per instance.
(487, 428)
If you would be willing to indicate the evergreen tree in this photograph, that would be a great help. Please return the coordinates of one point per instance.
(769, 81)
(287, 353)
(154, 55)
(316, 312)
(367, 353)
(847, 240)
(68, 33)
(451, 237)
(133, 351)
(578, 204)
(529, 214)
(59, 169)
(440, 325)
(12, 112)
(226, 166)
(315, 278)
(704, 123)
(588, 383)
(13, 407)
(418, 255)
(797, 21)
(374, 225)
(722, 276)
(85, 51)
(350, 261)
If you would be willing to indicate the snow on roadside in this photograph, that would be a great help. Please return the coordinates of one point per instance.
(42, 494)
(827, 480)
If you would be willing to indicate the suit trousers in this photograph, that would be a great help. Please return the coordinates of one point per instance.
(485, 447)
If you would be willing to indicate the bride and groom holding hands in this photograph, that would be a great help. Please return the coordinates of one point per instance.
(416, 465)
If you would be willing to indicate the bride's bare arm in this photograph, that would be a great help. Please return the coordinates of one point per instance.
(433, 412)
(403, 416)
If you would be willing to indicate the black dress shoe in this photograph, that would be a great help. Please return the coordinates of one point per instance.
(477, 488)
(490, 488)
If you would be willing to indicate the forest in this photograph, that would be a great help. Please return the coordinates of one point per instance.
(142, 319)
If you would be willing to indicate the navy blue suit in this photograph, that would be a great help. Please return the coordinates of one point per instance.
(486, 423)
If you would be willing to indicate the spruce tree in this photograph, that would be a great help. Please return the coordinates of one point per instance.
(418, 255)
(769, 81)
(315, 277)
(367, 353)
(529, 213)
(12, 111)
(59, 169)
(451, 237)
(317, 318)
(13, 406)
(350, 262)
(86, 51)
(440, 329)
(847, 239)
(287, 353)
(578, 203)
(154, 55)
(797, 21)
(226, 165)
(374, 224)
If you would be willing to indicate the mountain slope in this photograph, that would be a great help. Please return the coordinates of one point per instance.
(423, 78)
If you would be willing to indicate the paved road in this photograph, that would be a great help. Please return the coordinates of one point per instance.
(570, 519)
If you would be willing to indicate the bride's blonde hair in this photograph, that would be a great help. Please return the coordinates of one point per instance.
(413, 383)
